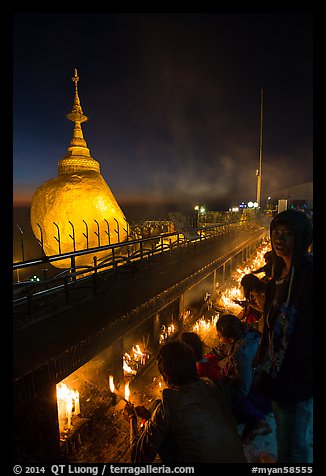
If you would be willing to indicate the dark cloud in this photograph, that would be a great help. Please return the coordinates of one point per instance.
(173, 101)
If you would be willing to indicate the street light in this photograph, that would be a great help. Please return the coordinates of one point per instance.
(200, 209)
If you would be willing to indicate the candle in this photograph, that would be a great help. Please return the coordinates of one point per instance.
(112, 390)
(69, 409)
(127, 391)
(77, 407)
(111, 383)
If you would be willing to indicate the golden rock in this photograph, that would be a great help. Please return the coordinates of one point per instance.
(77, 210)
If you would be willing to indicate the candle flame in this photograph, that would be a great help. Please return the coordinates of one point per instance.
(126, 366)
(166, 332)
(127, 390)
(111, 383)
(138, 352)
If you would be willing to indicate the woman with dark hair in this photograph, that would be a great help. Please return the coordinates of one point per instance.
(192, 423)
(238, 375)
(250, 283)
(208, 364)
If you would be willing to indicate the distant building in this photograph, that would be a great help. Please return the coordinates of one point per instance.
(299, 196)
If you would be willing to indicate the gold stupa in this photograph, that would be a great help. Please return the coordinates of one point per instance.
(76, 209)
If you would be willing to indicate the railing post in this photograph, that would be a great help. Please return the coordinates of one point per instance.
(86, 235)
(73, 268)
(126, 229)
(114, 264)
(108, 231)
(95, 275)
(117, 230)
(58, 238)
(41, 240)
(22, 242)
(98, 233)
(73, 235)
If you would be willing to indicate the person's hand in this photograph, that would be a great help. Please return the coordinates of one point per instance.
(142, 412)
(129, 411)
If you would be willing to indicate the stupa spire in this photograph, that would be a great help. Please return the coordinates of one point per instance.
(78, 157)
(76, 114)
(77, 117)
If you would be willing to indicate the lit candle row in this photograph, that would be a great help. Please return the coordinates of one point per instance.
(113, 390)
(139, 357)
(166, 332)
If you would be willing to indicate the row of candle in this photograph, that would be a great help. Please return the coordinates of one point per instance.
(166, 332)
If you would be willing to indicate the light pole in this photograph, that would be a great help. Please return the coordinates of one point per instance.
(259, 171)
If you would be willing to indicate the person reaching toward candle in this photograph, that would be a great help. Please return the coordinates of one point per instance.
(191, 423)
(248, 407)
(267, 268)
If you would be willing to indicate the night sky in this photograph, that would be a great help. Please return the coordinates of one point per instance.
(173, 102)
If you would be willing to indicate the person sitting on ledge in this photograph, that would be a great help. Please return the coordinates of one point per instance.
(192, 423)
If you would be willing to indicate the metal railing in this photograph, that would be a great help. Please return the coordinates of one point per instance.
(109, 259)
